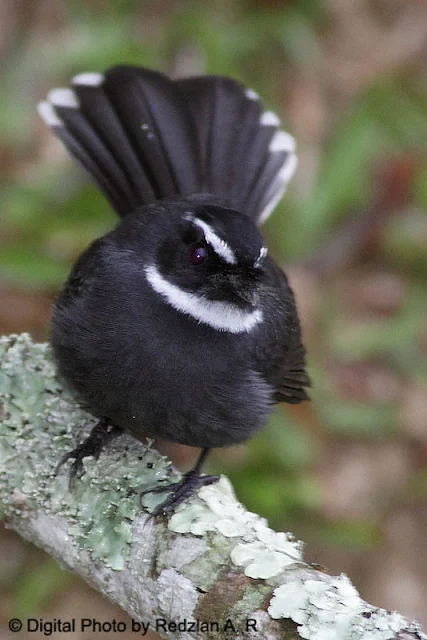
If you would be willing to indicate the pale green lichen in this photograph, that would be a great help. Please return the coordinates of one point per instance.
(262, 561)
(332, 609)
(104, 516)
(207, 569)
(263, 552)
(252, 600)
(40, 422)
(217, 511)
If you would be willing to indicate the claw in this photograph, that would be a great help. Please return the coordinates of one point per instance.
(63, 460)
(77, 468)
(179, 492)
(101, 434)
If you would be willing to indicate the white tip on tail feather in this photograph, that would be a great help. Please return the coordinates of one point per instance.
(222, 316)
(282, 141)
(90, 79)
(271, 205)
(251, 94)
(279, 186)
(269, 119)
(48, 114)
(63, 98)
(288, 169)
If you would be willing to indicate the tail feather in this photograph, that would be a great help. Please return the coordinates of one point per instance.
(229, 105)
(199, 95)
(273, 173)
(257, 155)
(252, 139)
(157, 119)
(100, 113)
(144, 137)
(62, 114)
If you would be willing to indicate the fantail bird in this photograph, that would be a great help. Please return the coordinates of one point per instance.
(177, 324)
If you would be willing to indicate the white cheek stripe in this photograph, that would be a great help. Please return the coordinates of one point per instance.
(220, 247)
(222, 316)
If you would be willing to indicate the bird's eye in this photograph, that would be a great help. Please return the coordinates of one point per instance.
(197, 253)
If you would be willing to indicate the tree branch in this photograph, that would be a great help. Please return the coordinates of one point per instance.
(213, 570)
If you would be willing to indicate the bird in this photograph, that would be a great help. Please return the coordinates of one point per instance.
(177, 323)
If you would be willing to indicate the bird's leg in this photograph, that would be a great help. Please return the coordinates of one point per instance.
(102, 433)
(180, 491)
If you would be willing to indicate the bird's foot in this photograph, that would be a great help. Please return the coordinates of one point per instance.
(180, 491)
(102, 433)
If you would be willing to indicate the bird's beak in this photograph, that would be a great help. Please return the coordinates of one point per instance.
(243, 288)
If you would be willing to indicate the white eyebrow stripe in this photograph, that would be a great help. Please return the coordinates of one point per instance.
(218, 245)
(261, 257)
(63, 98)
(90, 79)
(222, 316)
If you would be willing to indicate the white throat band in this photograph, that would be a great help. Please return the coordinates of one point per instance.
(222, 316)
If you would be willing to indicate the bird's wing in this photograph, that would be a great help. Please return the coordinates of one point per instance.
(294, 380)
(279, 352)
(79, 282)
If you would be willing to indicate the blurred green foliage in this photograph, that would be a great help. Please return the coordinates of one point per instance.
(37, 586)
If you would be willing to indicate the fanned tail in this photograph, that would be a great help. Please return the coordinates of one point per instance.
(143, 137)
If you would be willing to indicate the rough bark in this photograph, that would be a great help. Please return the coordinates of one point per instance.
(213, 570)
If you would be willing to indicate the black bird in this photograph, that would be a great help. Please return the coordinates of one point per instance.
(177, 323)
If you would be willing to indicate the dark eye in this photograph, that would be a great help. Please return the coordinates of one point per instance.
(197, 253)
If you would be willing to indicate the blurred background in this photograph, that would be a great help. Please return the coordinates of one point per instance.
(347, 473)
